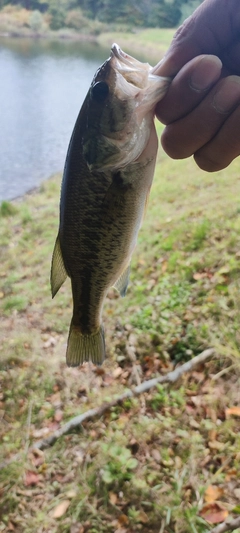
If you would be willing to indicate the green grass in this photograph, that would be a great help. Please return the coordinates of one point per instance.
(150, 460)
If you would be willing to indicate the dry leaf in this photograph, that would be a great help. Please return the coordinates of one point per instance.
(142, 517)
(31, 478)
(117, 372)
(232, 411)
(213, 493)
(60, 509)
(164, 265)
(113, 498)
(213, 513)
(123, 520)
(71, 494)
(58, 415)
(199, 275)
(156, 455)
(216, 445)
(77, 528)
(230, 474)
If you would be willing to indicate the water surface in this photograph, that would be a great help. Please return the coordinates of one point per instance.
(42, 87)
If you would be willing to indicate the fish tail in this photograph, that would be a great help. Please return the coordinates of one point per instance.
(83, 347)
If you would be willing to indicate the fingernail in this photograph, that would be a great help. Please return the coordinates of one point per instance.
(206, 72)
(228, 95)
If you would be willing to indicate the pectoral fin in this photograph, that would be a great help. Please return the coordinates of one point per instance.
(58, 271)
(122, 282)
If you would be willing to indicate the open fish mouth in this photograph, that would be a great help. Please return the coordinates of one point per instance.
(138, 74)
(126, 59)
(131, 69)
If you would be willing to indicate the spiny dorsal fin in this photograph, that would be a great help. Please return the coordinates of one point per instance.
(122, 282)
(58, 270)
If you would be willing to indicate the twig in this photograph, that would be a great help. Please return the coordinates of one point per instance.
(229, 525)
(171, 377)
(29, 418)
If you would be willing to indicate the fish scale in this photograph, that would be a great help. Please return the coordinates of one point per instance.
(106, 182)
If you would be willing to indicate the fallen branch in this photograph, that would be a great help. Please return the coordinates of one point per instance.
(171, 377)
(229, 525)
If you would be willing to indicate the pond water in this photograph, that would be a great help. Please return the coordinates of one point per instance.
(42, 87)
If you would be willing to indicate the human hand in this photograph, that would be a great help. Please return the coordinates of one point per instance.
(202, 107)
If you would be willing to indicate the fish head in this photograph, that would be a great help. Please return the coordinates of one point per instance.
(119, 110)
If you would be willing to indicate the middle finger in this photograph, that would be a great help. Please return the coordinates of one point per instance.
(184, 137)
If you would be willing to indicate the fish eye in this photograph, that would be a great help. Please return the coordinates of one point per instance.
(100, 91)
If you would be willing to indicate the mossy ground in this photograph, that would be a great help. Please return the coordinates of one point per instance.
(145, 466)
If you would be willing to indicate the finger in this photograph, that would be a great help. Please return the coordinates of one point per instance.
(223, 148)
(189, 87)
(184, 137)
(212, 28)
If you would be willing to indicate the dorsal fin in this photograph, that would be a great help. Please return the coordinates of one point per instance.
(58, 270)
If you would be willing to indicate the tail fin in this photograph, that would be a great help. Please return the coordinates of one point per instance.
(85, 347)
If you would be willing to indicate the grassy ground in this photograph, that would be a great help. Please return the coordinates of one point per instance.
(165, 462)
(149, 44)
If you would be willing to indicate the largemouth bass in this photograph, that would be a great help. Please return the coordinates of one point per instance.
(106, 182)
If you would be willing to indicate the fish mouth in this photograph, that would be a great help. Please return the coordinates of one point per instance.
(126, 59)
(132, 70)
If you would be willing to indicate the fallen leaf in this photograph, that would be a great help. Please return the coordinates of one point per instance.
(213, 493)
(113, 498)
(55, 399)
(77, 528)
(216, 445)
(123, 520)
(164, 265)
(232, 411)
(31, 478)
(58, 415)
(71, 494)
(156, 455)
(199, 275)
(37, 461)
(237, 493)
(60, 509)
(231, 473)
(142, 517)
(50, 342)
(39, 433)
(213, 513)
(117, 372)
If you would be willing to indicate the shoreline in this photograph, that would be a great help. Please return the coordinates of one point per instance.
(149, 44)
(51, 36)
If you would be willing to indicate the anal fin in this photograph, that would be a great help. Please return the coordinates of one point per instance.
(122, 282)
(58, 270)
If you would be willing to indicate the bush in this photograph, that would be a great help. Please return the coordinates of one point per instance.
(36, 20)
(75, 19)
(14, 17)
(57, 15)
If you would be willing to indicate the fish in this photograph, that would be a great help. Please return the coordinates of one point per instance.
(105, 187)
